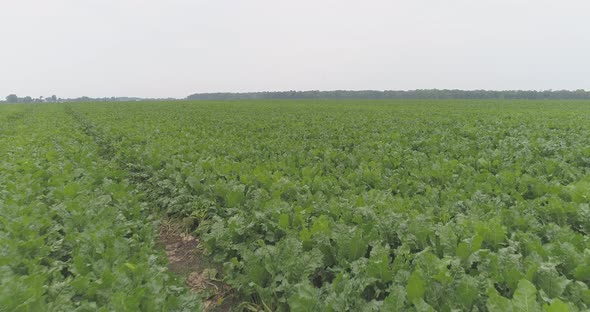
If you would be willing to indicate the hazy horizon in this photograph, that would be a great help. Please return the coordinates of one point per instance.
(179, 47)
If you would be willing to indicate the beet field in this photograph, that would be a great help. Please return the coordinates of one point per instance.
(308, 205)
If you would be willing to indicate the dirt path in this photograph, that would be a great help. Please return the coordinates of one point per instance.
(186, 259)
(185, 256)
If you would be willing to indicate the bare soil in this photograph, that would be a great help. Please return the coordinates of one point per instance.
(186, 259)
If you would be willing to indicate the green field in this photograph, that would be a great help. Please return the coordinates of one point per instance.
(383, 205)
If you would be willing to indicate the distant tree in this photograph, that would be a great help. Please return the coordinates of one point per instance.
(399, 94)
(53, 98)
(12, 98)
(27, 99)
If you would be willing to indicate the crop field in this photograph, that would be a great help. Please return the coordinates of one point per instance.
(384, 205)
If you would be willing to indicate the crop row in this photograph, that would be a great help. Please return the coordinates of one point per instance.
(74, 234)
(374, 205)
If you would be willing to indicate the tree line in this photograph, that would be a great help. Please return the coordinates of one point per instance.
(13, 98)
(392, 94)
(341, 94)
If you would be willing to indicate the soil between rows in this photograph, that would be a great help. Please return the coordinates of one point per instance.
(186, 259)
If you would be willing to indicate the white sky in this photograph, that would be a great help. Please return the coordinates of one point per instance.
(178, 47)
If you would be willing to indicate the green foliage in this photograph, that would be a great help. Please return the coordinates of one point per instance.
(74, 235)
(416, 287)
(308, 205)
(525, 297)
(497, 303)
(305, 298)
(556, 306)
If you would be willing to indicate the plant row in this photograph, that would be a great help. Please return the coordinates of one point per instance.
(74, 235)
(333, 206)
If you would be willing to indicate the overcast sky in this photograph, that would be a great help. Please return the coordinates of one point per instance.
(173, 48)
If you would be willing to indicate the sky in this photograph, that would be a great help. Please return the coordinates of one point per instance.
(174, 48)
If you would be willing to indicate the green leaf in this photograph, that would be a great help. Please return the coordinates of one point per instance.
(379, 266)
(463, 251)
(467, 291)
(497, 303)
(525, 297)
(354, 247)
(210, 273)
(284, 221)
(321, 225)
(586, 296)
(51, 155)
(422, 306)
(396, 299)
(234, 198)
(416, 287)
(130, 266)
(549, 280)
(71, 189)
(556, 306)
(582, 272)
(305, 298)
(466, 248)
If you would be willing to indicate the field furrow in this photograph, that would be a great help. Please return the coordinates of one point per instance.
(345, 205)
(74, 235)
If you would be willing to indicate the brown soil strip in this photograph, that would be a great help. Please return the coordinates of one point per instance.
(186, 259)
